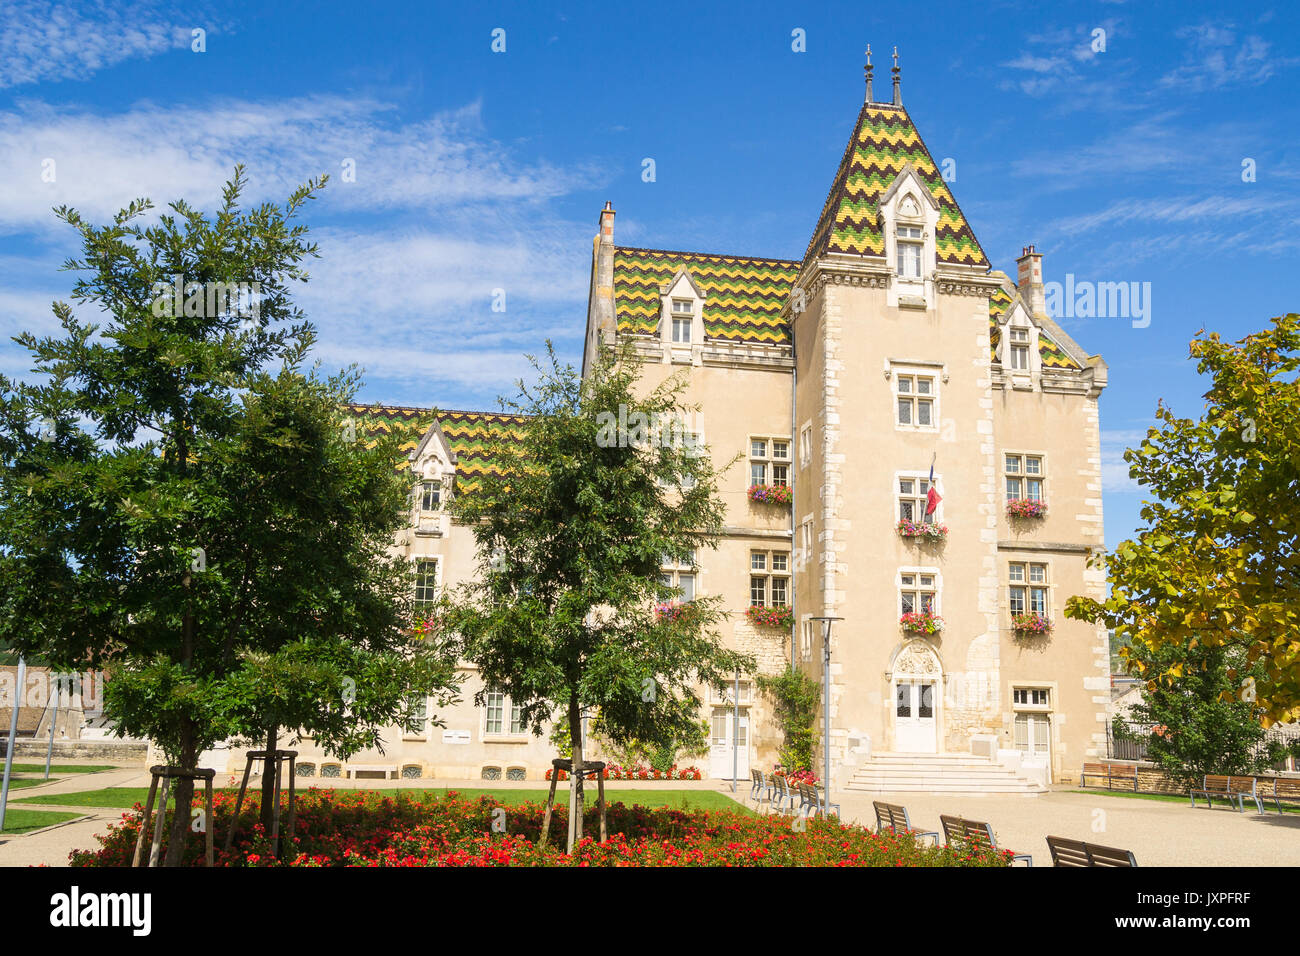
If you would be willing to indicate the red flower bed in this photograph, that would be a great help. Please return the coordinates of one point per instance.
(359, 828)
(615, 772)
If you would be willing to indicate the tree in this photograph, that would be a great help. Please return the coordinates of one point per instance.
(173, 508)
(571, 537)
(1199, 722)
(1218, 561)
(795, 697)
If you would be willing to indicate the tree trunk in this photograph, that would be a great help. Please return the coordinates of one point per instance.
(577, 807)
(269, 795)
(180, 828)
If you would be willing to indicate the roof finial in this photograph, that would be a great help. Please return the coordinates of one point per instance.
(898, 96)
(868, 70)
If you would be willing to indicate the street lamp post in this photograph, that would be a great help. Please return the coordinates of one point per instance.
(13, 738)
(826, 713)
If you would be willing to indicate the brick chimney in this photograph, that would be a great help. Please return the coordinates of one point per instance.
(1029, 280)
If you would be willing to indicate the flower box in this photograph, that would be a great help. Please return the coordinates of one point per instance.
(1031, 624)
(921, 530)
(675, 611)
(771, 494)
(1026, 508)
(778, 616)
(924, 622)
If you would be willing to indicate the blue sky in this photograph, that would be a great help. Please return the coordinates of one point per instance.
(478, 170)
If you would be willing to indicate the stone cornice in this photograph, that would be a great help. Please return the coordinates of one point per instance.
(1056, 547)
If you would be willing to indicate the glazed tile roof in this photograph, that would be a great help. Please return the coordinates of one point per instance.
(743, 294)
(1051, 354)
(884, 141)
(479, 440)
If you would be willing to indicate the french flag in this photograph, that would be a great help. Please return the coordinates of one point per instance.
(932, 499)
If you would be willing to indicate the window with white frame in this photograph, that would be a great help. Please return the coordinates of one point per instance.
(680, 575)
(417, 719)
(917, 592)
(426, 582)
(806, 640)
(1029, 585)
(909, 251)
(805, 445)
(1019, 346)
(683, 314)
(769, 578)
(1031, 698)
(429, 495)
(1032, 734)
(915, 396)
(722, 693)
(496, 707)
(769, 461)
(806, 538)
(913, 497)
(1025, 475)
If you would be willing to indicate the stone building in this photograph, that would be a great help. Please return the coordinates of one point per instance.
(889, 361)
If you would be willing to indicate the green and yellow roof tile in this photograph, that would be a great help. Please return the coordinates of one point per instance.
(744, 295)
(1051, 354)
(479, 440)
(883, 143)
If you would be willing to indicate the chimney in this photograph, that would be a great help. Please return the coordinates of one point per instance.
(607, 222)
(1029, 280)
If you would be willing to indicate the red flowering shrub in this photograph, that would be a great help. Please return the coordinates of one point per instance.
(369, 828)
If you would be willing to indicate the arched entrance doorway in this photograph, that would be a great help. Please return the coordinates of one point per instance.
(916, 685)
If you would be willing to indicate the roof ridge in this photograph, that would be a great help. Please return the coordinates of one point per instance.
(715, 255)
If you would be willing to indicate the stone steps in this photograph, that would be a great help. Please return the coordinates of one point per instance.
(938, 773)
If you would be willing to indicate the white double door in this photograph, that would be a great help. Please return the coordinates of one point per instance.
(915, 729)
(728, 750)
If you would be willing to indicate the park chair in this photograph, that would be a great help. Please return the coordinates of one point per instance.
(782, 796)
(893, 817)
(1230, 788)
(812, 801)
(1066, 852)
(972, 833)
(1285, 788)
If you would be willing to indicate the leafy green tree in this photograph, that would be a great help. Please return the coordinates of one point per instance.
(1200, 721)
(181, 504)
(571, 538)
(795, 697)
(1218, 561)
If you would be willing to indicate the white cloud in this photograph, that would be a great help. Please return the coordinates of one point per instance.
(1114, 469)
(42, 40)
(1216, 58)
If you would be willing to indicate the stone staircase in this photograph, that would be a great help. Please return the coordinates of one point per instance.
(938, 773)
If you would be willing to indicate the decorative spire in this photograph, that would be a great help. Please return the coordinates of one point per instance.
(898, 96)
(868, 70)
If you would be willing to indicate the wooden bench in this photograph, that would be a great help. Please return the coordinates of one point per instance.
(1067, 852)
(1230, 788)
(810, 801)
(1285, 788)
(782, 800)
(893, 817)
(972, 833)
(1126, 774)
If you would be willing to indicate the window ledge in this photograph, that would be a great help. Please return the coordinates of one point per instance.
(506, 739)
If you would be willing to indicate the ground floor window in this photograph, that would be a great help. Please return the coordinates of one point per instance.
(1032, 734)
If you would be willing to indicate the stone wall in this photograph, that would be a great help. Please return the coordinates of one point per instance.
(122, 752)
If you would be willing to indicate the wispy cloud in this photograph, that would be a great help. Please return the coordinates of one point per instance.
(1172, 210)
(42, 40)
(1114, 469)
(1058, 59)
(1217, 57)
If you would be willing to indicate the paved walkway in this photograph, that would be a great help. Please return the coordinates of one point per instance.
(1159, 833)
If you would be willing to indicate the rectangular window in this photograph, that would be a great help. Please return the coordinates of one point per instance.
(915, 395)
(681, 331)
(1030, 696)
(806, 539)
(913, 497)
(430, 495)
(769, 461)
(916, 592)
(1028, 582)
(494, 705)
(682, 306)
(909, 252)
(805, 446)
(769, 578)
(426, 582)
(680, 575)
(1025, 477)
(418, 711)
(1019, 342)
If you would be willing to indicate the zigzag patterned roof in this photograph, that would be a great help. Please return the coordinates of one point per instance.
(1051, 354)
(477, 439)
(743, 294)
(883, 142)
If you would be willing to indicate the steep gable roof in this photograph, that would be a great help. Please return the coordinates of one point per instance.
(1051, 354)
(884, 141)
(479, 440)
(744, 294)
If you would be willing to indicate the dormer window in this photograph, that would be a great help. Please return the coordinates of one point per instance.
(430, 495)
(683, 313)
(910, 248)
(1019, 345)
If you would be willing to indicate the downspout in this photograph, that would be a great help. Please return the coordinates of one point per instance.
(794, 471)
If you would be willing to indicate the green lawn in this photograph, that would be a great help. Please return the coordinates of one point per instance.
(127, 797)
(17, 783)
(23, 821)
(59, 768)
(1269, 805)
